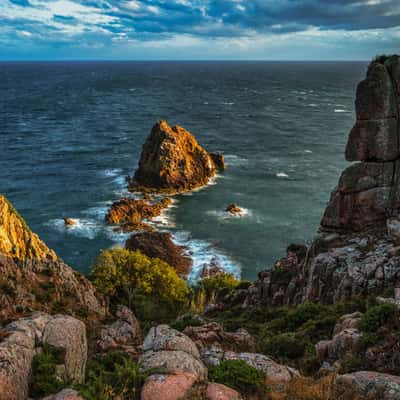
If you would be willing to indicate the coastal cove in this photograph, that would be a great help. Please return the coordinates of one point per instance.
(81, 126)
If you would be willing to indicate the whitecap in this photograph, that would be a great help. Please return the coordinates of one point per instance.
(86, 228)
(111, 173)
(228, 103)
(202, 254)
(281, 175)
(340, 110)
(232, 159)
(226, 215)
(132, 89)
(308, 151)
(312, 105)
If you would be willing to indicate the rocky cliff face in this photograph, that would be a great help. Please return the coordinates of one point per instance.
(369, 191)
(32, 277)
(172, 160)
(16, 239)
(357, 250)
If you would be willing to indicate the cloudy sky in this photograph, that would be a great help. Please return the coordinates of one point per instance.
(199, 29)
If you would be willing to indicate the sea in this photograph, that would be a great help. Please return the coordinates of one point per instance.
(70, 132)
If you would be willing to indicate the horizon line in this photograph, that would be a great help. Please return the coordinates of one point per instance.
(179, 60)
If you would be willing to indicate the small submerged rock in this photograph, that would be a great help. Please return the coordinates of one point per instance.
(69, 221)
(234, 209)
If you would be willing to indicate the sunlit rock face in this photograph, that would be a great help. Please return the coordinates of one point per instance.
(16, 239)
(32, 277)
(368, 192)
(172, 160)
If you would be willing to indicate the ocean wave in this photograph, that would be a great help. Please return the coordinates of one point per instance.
(226, 215)
(282, 175)
(232, 159)
(85, 228)
(228, 103)
(204, 253)
(112, 173)
(340, 110)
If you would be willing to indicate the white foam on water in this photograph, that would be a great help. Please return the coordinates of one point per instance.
(85, 228)
(308, 151)
(312, 105)
(202, 254)
(226, 215)
(112, 173)
(232, 159)
(340, 110)
(228, 103)
(281, 175)
(132, 89)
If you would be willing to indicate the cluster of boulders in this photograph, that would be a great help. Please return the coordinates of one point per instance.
(26, 337)
(134, 214)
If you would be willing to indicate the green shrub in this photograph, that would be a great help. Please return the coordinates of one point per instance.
(114, 375)
(303, 313)
(218, 282)
(186, 320)
(44, 380)
(238, 375)
(118, 272)
(285, 346)
(377, 316)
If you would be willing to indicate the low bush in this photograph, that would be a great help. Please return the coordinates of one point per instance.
(285, 346)
(44, 380)
(238, 375)
(112, 376)
(377, 316)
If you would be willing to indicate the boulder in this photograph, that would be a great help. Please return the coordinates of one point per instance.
(369, 385)
(173, 161)
(69, 334)
(24, 338)
(216, 391)
(276, 373)
(213, 335)
(124, 334)
(160, 245)
(178, 371)
(169, 387)
(219, 160)
(66, 394)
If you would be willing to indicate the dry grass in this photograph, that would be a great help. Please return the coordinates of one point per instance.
(311, 389)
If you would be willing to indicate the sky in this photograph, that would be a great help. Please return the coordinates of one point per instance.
(198, 29)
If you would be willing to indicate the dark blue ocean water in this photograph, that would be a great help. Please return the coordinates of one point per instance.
(70, 132)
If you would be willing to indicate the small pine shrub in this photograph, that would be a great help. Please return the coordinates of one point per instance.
(377, 316)
(44, 380)
(186, 320)
(112, 376)
(285, 346)
(238, 375)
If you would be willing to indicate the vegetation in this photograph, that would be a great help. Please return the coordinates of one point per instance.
(44, 380)
(149, 286)
(377, 317)
(238, 375)
(381, 58)
(114, 375)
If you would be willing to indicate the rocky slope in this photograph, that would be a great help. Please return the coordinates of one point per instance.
(32, 277)
(173, 161)
(357, 249)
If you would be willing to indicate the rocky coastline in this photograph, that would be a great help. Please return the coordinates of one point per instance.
(323, 323)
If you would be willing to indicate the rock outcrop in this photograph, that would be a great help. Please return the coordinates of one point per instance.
(124, 334)
(133, 214)
(368, 385)
(173, 161)
(65, 394)
(32, 277)
(24, 338)
(179, 371)
(368, 192)
(160, 245)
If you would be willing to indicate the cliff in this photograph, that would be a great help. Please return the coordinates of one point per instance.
(32, 277)
(173, 161)
(357, 249)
